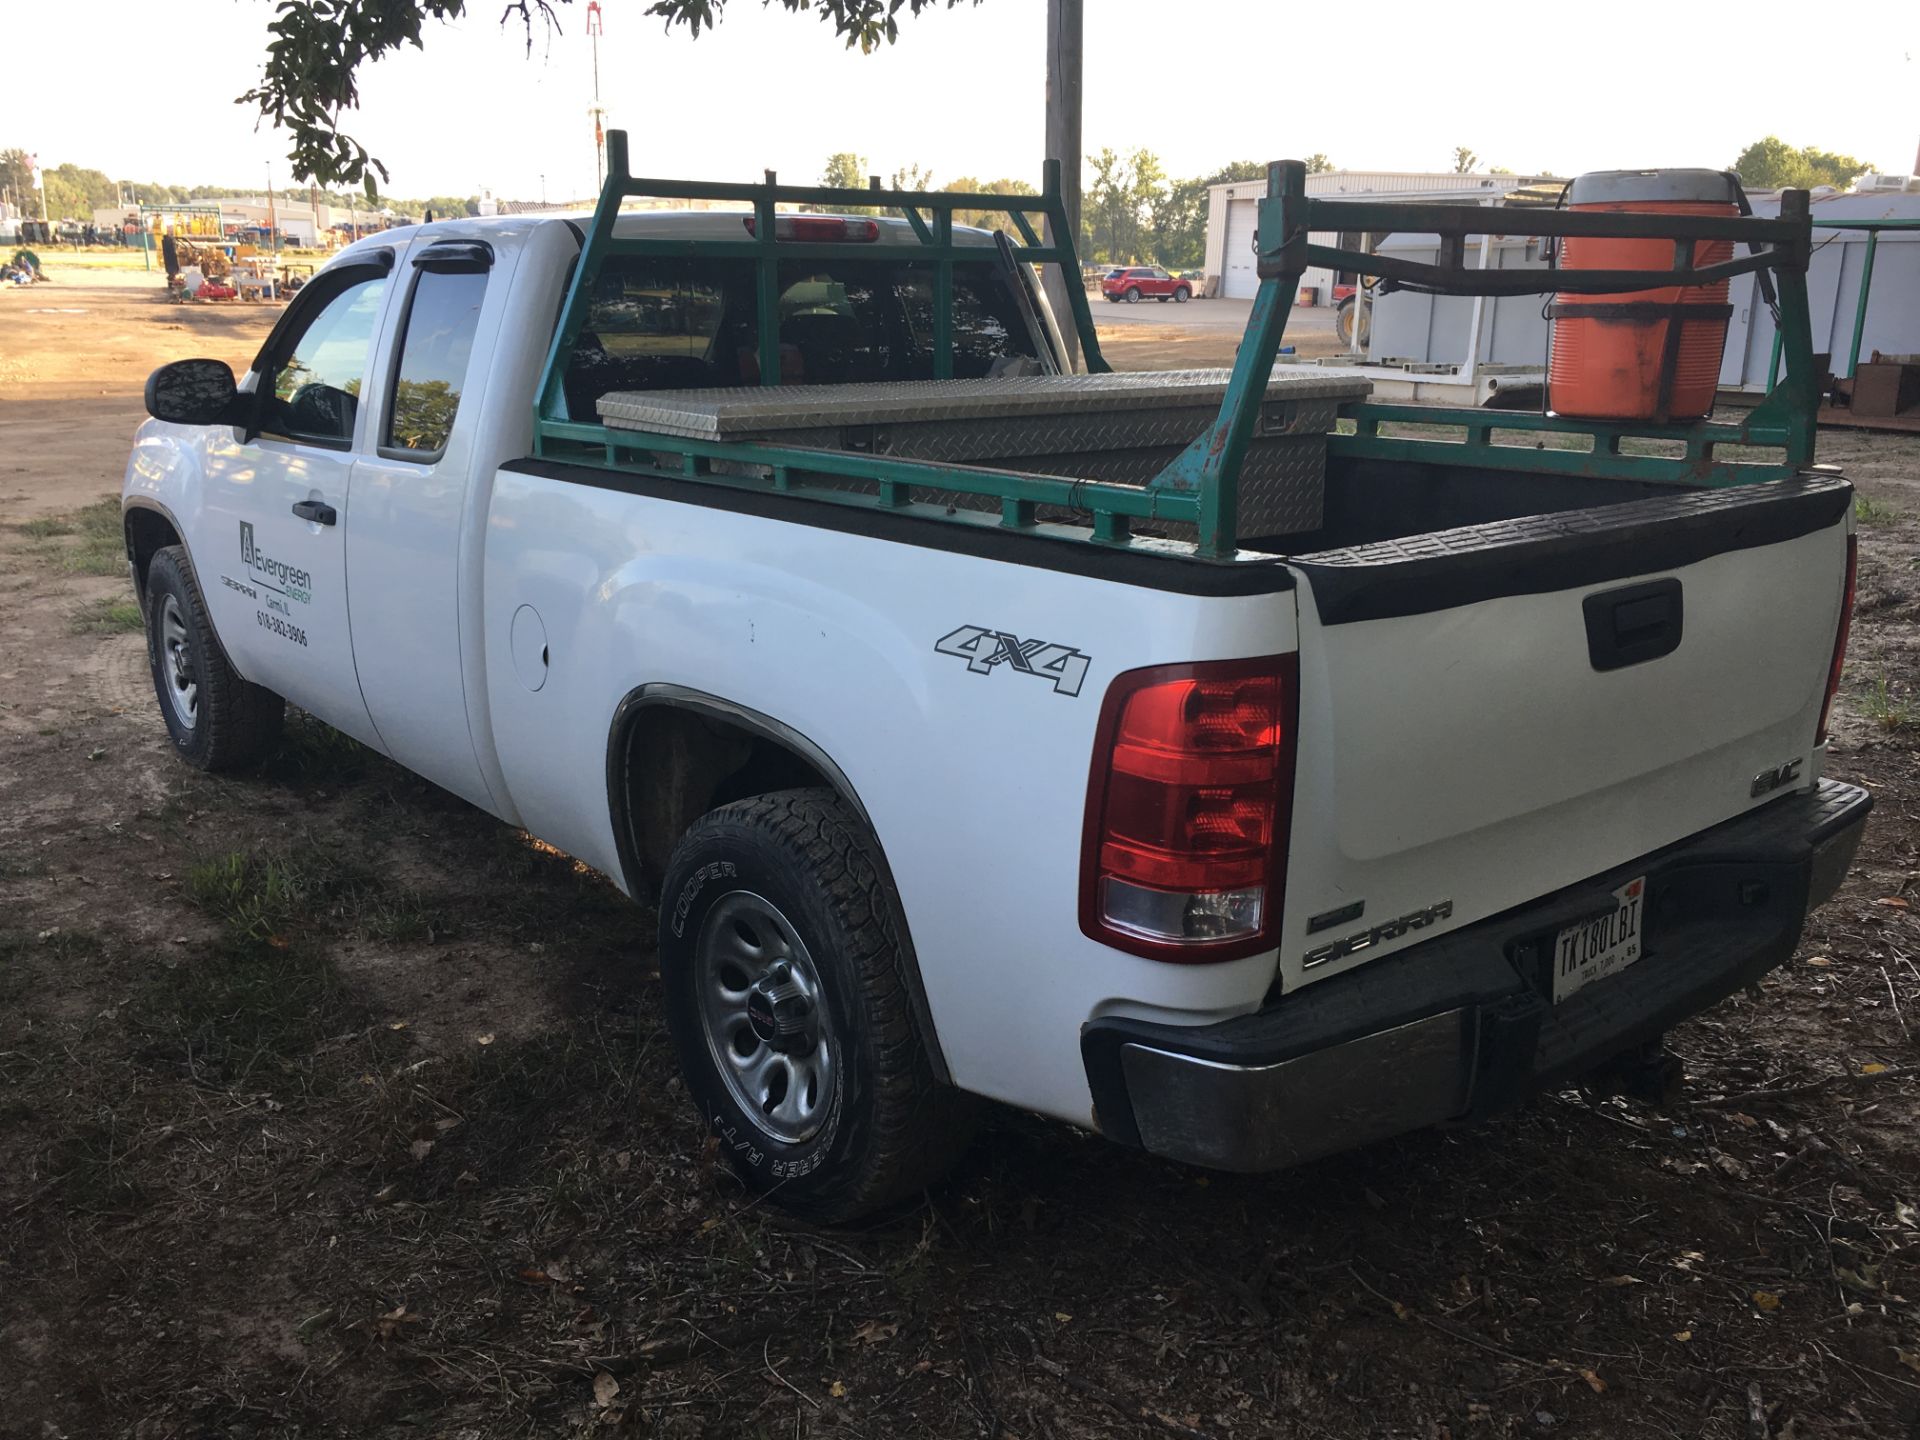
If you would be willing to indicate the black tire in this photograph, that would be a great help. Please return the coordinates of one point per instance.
(885, 1128)
(1133, 295)
(1163, 298)
(1343, 322)
(230, 723)
(1182, 295)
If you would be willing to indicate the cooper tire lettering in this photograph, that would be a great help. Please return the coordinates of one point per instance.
(690, 892)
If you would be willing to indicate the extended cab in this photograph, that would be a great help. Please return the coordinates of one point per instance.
(977, 736)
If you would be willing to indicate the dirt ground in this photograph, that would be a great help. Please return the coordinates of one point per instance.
(327, 1108)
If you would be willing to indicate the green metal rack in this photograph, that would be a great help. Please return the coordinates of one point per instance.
(1200, 486)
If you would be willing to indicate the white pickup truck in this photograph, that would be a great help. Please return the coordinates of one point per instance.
(1471, 777)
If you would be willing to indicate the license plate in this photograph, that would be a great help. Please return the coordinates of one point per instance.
(1592, 951)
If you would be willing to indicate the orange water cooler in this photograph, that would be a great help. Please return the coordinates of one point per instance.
(1648, 354)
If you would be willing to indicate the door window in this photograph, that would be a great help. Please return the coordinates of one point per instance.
(438, 339)
(313, 387)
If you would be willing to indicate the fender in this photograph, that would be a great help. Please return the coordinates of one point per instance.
(680, 697)
(135, 572)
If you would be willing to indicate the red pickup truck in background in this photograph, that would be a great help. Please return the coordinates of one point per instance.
(1130, 282)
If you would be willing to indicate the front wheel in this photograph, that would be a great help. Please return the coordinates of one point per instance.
(216, 719)
(1182, 295)
(785, 957)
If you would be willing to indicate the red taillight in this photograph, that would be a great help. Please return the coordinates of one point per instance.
(831, 228)
(1188, 807)
(1839, 641)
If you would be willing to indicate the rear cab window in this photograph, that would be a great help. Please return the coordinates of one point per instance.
(691, 323)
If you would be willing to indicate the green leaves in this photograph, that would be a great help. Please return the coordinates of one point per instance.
(310, 79)
(1772, 163)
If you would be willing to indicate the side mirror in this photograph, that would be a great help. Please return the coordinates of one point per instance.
(195, 392)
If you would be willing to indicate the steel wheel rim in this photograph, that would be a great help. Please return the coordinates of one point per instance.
(784, 1082)
(177, 675)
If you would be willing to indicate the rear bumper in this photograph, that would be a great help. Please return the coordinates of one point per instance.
(1461, 1028)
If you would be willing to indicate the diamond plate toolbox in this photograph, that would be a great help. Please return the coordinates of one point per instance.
(1120, 428)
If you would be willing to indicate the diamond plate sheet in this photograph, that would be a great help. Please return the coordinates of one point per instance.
(746, 412)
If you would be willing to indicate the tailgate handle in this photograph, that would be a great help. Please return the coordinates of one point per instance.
(1633, 624)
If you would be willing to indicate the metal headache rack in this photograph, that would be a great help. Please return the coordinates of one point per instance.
(1198, 489)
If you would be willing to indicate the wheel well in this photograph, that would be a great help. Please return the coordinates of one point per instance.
(148, 531)
(674, 754)
(672, 763)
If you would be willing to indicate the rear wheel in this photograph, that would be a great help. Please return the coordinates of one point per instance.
(1133, 294)
(785, 958)
(216, 719)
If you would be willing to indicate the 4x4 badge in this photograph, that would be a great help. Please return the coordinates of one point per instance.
(983, 649)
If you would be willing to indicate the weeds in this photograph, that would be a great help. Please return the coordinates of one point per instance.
(1879, 706)
(46, 527)
(243, 1001)
(273, 899)
(60, 950)
(87, 542)
(109, 617)
(310, 749)
(1867, 511)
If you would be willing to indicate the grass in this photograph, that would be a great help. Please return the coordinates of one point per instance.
(310, 749)
(1880, 706)
(87, 542)
(277, 900)
(61, 949)
(257, 898)
(242, 1002)
(1867, 511)
(109, 617)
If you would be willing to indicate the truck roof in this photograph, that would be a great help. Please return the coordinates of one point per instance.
(638, 225)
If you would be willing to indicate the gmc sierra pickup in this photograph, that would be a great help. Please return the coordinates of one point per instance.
(1449, 781)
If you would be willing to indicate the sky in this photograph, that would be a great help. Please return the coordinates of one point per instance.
(145, 91)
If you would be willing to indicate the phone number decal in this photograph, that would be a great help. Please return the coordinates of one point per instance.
(281, 627)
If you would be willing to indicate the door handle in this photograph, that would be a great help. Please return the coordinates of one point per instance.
(318, 511)
(1634, 624)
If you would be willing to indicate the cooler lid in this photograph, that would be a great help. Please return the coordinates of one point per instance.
(1614, 187)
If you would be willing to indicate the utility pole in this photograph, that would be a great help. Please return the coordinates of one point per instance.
(595, 23)
(1064, 52)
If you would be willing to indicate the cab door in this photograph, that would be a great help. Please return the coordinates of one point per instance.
(417, 497)
(270, 549)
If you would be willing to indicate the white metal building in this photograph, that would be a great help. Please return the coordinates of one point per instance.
(1231, 217)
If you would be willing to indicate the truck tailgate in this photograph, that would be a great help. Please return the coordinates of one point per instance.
(1490, 713)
